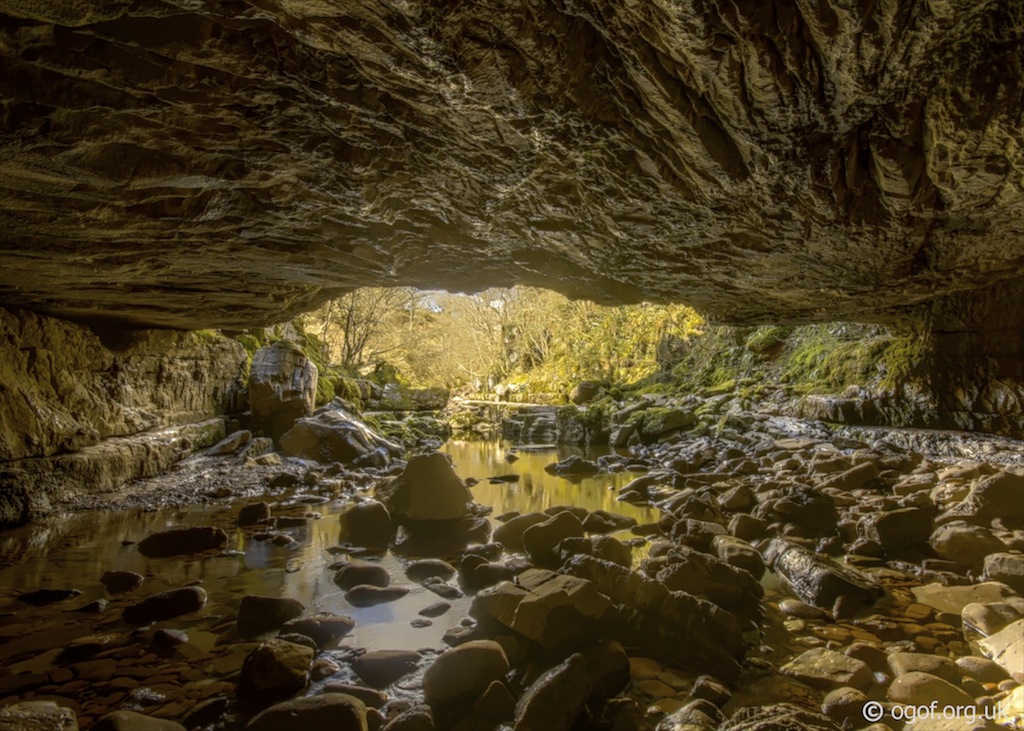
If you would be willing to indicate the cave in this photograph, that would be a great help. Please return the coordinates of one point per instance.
(205, 528)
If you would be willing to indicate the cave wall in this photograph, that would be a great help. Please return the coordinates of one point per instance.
(82, 409)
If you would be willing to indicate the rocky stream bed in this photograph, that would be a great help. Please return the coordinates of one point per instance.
(772, 575)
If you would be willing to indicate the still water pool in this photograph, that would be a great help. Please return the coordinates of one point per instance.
(74, 550)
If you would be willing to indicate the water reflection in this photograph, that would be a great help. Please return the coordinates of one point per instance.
(74, 550)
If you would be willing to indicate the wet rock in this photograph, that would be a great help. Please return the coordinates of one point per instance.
(573, 466)
(428, 489)
(183, 541)
(37, 716)
(776, 717)
(441, 588)
(381, 668)
(953, 599)
(367, 596)
(429, 568)
(710, 689)
(605, 548)
(555, 699)
(370, 697)
(436, 609)
(1006, 648)
(844, 703)
(121, 582)
(704, 575)
(510, 534)
(737, 552)
(417, 718)
(282, 387)
(896, 531)
(543, 606)
(352, 574)
(254, 514)
(166, 605)
(131, 721)
(476, 575)
(919, 688)
(854, 478)
(206, 713)
(42, 597)
(260, 614)
(333, 435)
(965, 544)
(322, 628)
(747, 527)
(698, 715)
(230, 444)
(1007, 568)
(797, 608)
(902, 663)
(367, 524)
(673, 626)
(335, 711)
(274, 670)
(981, 669)
(495, 704)
(999, 496)
(822, 668)
(818, 581)
(464, 672)
(602, 521)
(608, 667)
(540, 540)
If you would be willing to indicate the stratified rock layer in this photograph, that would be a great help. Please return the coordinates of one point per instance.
(225, 164)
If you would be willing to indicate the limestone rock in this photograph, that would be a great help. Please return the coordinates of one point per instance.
(182, 541)
(953, 599)
(896, 530)
(543, 606)
(1007, 568)
(336, 711)
(464, 671)
(510, 533)
(428, 489)
(259, 614)
(822, 668)
(282, 387)
(817, 581)
(166, 605)
(367, 524)
(965, 544)
(672, 626)
(1006, 648)
(333, 435)
(917, 688)
(37, 716)
(555, 699)
(381, 668)
(274, 670)
(322, 628)
(540, 540)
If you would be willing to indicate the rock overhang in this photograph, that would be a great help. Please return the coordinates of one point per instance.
(227, 164)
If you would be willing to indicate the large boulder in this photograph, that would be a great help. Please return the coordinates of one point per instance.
(367, 524)
(556, 698)
(543, 606)
(464, 672)
(166, 605)
(333, 435)
(181, 541)
(674, 627)
(819, 582)
(282, 387)
(273, 671)
(998, 496)
(428, 489)
(964, 543)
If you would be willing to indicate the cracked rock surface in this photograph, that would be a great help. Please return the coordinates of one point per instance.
(229, 163)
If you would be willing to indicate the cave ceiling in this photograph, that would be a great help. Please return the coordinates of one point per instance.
(195, 164)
